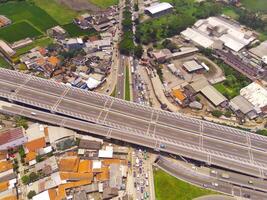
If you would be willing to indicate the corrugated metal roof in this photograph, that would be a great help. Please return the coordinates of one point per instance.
(213, 95)
(159, 8)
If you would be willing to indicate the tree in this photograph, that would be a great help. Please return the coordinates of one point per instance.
(216, 113)
(138, 51)
(25, 180)
(21, 121)
(227, 113)
(262, 132)
(31, 194)
(33, 176)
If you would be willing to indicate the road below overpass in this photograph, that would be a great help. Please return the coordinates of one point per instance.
(182, 135)
(236, 185)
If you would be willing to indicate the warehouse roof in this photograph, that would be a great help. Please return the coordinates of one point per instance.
(243, 104)
(158, 8)
(6, 48)
(213, 95)
(192, 66)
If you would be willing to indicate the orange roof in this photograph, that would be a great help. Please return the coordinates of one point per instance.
(69, 164)
(114, 161)
(35, 145)
(76, 176)
(61, 188)
(52, 194)
(30, 156)
(53, 60)
(71, 153)
(5, 165)
(103, 175)
(4, 186)
(3, 155)
(13, 197)
(178, 94)
(85, 166)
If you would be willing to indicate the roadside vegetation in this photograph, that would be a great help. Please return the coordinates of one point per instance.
(255, 5)
(127, 89)
(171, 188)
(4, 63)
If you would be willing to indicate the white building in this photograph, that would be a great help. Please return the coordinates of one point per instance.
(256, 94)
(159, 9)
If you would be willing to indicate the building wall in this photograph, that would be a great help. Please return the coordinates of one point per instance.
(14, 143)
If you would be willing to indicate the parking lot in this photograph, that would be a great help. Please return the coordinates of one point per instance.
(141, 175)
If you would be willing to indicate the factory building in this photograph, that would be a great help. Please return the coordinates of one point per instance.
(158, 9)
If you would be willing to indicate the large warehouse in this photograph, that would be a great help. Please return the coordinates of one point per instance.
(158, 9)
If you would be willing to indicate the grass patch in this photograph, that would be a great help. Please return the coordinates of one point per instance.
(231, 13)
(113, 94)
(75, 31)
(18, 31)
(127, 96)
(230, 91)
(255, 5)
(104, 3)
(42, 42)
(171, 188)
(62, 14)
(4, 63)
(18, 11)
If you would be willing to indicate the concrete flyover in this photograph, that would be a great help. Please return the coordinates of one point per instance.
(115, 118)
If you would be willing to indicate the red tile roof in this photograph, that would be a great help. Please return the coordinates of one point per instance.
(11, 135)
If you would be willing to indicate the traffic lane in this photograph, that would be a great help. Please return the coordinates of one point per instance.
(183, 151)
(86, 97)
(53, 88)
(14, 78)
(259, 144)
(242, 179)
(226, 148)
(37, 97)
(236, 165)
(254, 195)
(259, 156)
(192, 178)
(49, 118)
(134, 110)
(7, 88)
(126, 121)
(177, 135)
(178, 123)
(224, 135)
(78, 109)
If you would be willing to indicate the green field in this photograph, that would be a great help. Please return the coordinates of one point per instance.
(104, 3)
(75, 31)
(228, 91)
(171, 188)
(42, 42)
(18, 31)
(255, 5)
(127, 95)
(61, 13)
(4, 63)
(21, 10)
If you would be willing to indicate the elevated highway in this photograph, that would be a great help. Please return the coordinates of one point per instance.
(87, 111)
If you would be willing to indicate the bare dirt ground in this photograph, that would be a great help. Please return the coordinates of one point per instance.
(80, 5)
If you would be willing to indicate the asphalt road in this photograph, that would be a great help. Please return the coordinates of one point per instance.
(121, 78)
(212, 143)
(233, 186)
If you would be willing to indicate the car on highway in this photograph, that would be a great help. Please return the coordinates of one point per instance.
(246, 196)
(250, 182)
(33, 113)
(215, 184)
(163, 146)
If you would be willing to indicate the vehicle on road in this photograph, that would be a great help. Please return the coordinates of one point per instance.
(33, 113)
(225, 175)
(163, 146)
(250, 182)
(215, 184)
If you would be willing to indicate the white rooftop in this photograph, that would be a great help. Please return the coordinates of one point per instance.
(43, 195)
(159, 8)
(256, 94)
(5, 47)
